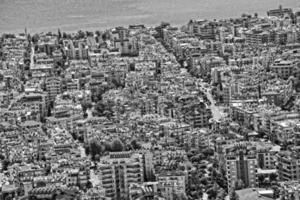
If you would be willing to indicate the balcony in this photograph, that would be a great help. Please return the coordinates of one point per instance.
(107, 178)
(108, 186)
(133, 176)
(133, 180)
(105, 173)
(132, 166)
(104, 168)
(133, 171)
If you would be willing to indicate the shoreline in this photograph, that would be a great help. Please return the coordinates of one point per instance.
(92, 25)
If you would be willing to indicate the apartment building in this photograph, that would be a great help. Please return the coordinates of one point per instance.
(53, 87)
(257, 37)
(198, 116)
(290, 190)
(36, 102)
(117, 171)
(280, 12)
(288, 165)
(147, 191)
(76, 50)
(283, 68)
(172, 184)
(266, 159)
(77, 177)
(203, 28)
(241, 166)
(5, 98)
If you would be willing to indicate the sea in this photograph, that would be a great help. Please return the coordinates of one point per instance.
(73, 15)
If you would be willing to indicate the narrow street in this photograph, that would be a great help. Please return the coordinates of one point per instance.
(32, 57)
(94, 178)
(89, 113)
(217, 114)
(82, 151)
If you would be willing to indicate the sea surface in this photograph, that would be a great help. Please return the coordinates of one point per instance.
(73, 15)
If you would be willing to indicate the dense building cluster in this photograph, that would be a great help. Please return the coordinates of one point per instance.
(210, 110)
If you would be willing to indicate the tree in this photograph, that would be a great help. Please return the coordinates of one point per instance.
(65, 36)
(107, 146)
(100, 108)
(273, 177)
(276, 192)
(88, 33)
(43, 158)
(59, 34)
(48, 169)
(108, 113)
(97, 157)
(80, 34)
(87, 149)
(179, 197)
(74, 135)
(135, 145)
(35, 38)
(292, 197)
(85, 115)
(5, 164)
(8, 197)
(234, 195)
(105, 36)
(261, 179)
(104, 109)
(95, 148)
(117, 146)
(197, 158)
(215, 164)
(208, 152)
(85, 106)
(221, 179)
(40, 184)
(89, 185)
(203, 181)
(98, 33)
(212, 192)
(215, 175)
(117, 83)
(240, 184)
(221, 194)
